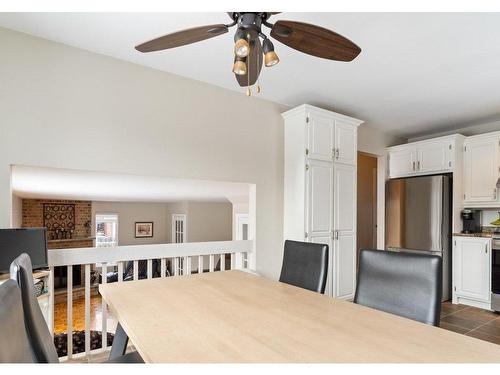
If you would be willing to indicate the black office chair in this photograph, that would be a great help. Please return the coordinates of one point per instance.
(305, 265)
(401, 283)
(128, 273)
(38, 331)
(14, 346)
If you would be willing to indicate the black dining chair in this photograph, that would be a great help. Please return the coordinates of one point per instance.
(305, 265)
(38, 332)
(14, 345)
(407, 284)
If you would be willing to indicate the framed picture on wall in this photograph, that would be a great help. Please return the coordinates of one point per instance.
(143, 229)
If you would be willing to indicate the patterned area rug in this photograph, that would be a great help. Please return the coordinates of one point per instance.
(61, 342)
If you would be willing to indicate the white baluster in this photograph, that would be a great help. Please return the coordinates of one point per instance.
(120, 272)
(187, 266)
(200, 264)
(104, 309)
(232, 261)
(51, 300)
(150, 268)
(163, 267)
(211, 263)
(136, 270)
(69, 317)
(176, 266)
(223, 262)
(87, 309)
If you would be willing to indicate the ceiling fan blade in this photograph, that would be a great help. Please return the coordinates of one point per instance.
(315, 40)
(183, 37)
(254, 64)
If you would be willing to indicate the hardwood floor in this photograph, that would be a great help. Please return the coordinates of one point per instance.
(60, 316)
(471, 321)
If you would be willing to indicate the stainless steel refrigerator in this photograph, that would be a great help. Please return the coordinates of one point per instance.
(418, 219)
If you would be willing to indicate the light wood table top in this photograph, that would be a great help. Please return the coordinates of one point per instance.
(233, 316)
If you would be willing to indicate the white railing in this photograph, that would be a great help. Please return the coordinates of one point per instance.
(180, 255)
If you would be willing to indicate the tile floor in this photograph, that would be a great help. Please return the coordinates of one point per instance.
(471, 321)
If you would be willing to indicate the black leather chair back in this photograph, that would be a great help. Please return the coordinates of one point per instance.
(305, 265)
(38, 331)
(14, 344)
(400, 283)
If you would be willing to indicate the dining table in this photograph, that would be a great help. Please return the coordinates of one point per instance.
(239, 317)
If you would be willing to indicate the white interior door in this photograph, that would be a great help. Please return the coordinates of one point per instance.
(241, 226)
(179, 228)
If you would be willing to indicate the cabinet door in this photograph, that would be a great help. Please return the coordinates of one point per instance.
(345, 143)
(319, 192)
(472, 268)
(320, 137)
(344, 265)
(403, 161)
(345, 230)
(329, 280)
(434, 157)
(481, 170)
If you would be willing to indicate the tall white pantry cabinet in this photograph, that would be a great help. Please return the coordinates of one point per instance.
(320, 189)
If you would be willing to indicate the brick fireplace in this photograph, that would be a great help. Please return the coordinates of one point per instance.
(68, 226)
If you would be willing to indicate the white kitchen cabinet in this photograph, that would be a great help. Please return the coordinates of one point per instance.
(481, 169)
(434, 156)
(320, 189)
(424, 157)
(402, 161)
(345, 141)
(472, 271)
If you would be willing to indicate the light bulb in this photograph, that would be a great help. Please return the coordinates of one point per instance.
(240, 68)
(241, 48)
(271, 58)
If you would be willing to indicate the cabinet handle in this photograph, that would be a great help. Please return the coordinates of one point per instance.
(337, 153)
(336, 234)
(414, 166)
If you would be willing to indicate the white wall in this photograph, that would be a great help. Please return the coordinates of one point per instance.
(68, 108)
(468, 130)
(17, 211)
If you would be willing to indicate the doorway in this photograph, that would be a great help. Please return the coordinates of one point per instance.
(367, 202)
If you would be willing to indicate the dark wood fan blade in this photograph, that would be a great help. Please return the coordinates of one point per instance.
(254, 65)
(183, 37)
(315, 40)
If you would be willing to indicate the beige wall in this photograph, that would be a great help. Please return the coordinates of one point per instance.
(129, 213)
(206, 221)
(68, 108)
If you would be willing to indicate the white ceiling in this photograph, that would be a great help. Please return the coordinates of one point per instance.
(54, 183)
(417, 72)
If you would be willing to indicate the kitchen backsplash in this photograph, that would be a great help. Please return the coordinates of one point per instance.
(487, 216)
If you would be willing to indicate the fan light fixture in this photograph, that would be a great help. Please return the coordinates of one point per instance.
(239, 67)
(270, 57)
(253, 49)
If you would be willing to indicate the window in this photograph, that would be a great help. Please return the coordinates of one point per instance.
(106, 230)
(179, 230)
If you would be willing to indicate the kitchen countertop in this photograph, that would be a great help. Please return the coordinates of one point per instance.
(481, 234)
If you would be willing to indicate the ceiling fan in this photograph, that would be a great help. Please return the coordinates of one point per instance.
(250, 52)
